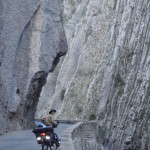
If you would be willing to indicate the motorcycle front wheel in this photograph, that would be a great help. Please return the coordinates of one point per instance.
(55, 147)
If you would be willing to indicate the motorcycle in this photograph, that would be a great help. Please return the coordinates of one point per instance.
(46, 137)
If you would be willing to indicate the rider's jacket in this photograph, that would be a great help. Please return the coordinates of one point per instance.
(49, 120)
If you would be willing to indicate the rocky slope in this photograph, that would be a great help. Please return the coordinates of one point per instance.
(32, 40)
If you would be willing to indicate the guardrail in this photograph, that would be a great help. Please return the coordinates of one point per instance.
(80, 136)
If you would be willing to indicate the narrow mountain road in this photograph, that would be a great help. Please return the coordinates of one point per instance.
(25, 140)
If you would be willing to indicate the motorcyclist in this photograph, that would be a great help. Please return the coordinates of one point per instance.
(49, 121)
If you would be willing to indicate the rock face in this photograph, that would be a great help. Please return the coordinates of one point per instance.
(107, 70)
(81, 24)
(123, 112)
(32, 39)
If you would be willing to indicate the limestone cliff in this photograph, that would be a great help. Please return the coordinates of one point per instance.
(107, 70)
(124, 100)
(32, 40)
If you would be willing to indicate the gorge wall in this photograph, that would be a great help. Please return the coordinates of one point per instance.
(105, 74)
(32, 40)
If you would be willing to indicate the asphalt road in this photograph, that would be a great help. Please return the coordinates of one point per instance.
(25, 140)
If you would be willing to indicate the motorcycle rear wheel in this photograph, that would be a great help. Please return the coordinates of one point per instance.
(44, 147)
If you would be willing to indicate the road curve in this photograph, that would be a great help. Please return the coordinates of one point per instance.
(25, 140)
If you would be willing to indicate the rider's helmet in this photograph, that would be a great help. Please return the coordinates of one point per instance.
(52, 110)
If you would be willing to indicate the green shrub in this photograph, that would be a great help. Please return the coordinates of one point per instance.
(120, 91)
(148, 89)
(84, 11)
(18, 91)
(118, 80)
(88, 33)
(139, 81)
(92, 116)
(63, 93)
(72, 3)
(79, 109)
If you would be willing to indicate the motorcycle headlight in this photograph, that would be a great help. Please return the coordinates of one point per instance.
(47, 137)
(38, 138)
